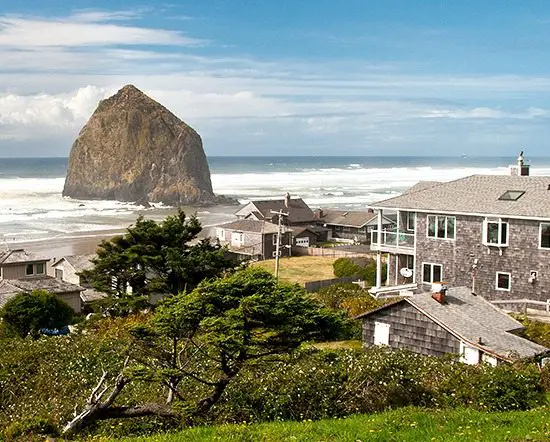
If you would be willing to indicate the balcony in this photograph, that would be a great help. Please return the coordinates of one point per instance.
(392, 241)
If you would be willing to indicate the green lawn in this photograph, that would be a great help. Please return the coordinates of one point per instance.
(408, 424)
(301, 269)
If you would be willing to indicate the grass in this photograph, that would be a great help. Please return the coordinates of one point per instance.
(408, 424)
(301, 269)
(352, 344)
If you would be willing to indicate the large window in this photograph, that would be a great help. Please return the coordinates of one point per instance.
(503, 281)
(440, 226)
(432, 272)
(495, 232)
(411, 220)
(545, 235)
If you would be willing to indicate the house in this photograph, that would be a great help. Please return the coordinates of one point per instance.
(254, 239)
(347, 225)
(68, 269)
(487, 232)
(307, 236)
(24, 272)
(299, 213)
(452, 321)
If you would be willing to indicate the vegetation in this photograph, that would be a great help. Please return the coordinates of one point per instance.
(153, 258)
(361, 267)
(27, 313)
(300, 269)
(407, 424)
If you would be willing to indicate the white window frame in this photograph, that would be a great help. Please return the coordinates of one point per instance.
(540, 236)
(446, 238)
(431, 264)
(302, 242)
(500, 222)
(43, 272)
(411, 216)
(275, 239)
(509, 282)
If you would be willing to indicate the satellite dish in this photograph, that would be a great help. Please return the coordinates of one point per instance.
(405, 272)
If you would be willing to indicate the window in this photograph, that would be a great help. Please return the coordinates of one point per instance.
(511, 195)
(220, 234)
(410, 262)
(302, 242)
(545, 235)
(29, 270)
(411, 220)
(503, 281)
(432, 272)
(59, 274)
(274, 239)
(442, 227)
(495, 232)
(40, 269)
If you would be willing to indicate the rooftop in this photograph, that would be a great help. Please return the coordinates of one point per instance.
(473, 319)
(479, 195)
(298, 211)
(19, 256)
(250, 225)
(346, 217)
(78, 262)
(12, 287)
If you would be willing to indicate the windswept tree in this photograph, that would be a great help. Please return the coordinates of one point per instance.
(26, 313)
(153, 257)
(201, 341)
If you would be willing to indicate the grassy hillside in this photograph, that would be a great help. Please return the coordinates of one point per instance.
(407, 424)
(301, 269)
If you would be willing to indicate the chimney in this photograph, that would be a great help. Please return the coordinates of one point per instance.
(439, 290)
(287, 200)
(318, 213)
(521, 169)
(370, 210)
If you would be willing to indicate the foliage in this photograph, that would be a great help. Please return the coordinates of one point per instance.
(360, 267)
(26, 313)
(410, 424)
(349, 297)
(153, 258)
(28, 428)
(535, 331)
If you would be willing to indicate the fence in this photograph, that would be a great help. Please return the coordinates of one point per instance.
(520, 305)
(313, 286)
(333, 252)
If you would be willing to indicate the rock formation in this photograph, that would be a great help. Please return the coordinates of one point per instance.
(134, 149)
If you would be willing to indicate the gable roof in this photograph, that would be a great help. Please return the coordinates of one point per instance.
(479, 195)
(298, 211)
(10, 288)
(77, 262)
(471, 319)
(346, 217)
(250, 225)
(422, 185)
(19, 256)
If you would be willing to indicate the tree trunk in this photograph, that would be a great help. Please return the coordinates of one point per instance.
(205, 404)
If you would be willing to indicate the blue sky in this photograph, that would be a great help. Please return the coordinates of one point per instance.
(286, 77)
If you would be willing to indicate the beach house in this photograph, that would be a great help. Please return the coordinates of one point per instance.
(23, 272)
(296, 210)
(487, 232)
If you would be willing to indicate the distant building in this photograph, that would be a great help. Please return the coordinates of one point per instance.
(449, 321)
(299, 213)
(24, 272)
(347, 225)
(68, 269)
(254, 239)
(307, 236)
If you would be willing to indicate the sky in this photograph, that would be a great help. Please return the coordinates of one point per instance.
(285, 77)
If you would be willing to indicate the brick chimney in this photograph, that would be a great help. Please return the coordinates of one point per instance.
(439, 290)
(287, 200)
(520, 169)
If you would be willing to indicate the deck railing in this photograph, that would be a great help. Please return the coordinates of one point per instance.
(395, 239)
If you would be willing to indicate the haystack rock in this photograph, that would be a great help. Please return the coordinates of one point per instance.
(134, 149)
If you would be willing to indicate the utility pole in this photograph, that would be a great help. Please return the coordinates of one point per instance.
(280, 214)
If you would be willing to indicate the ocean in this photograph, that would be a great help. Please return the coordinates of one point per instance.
(32, 208)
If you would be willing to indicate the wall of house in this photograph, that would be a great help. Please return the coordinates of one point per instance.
(69, 273)
(351, 233)
(410, 329)
(18, 271)
(269, 247)
(73, 299)
(519, 258)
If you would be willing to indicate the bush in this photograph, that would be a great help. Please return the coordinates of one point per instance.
(26, 313)
(36, 426)
(361, 267)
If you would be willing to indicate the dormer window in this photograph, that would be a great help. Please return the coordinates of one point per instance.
(511, 195)
(495, 232)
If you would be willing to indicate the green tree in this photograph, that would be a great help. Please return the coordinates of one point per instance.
(208, 336)
(154, 257)
(26, 313)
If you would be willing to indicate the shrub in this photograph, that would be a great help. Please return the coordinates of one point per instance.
(362, 267)
(27, 428)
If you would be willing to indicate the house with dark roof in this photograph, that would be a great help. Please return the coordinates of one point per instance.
(348, 225)
(488, 232)
(254, 239)
(23, 272)
(298, 212)
(454, 321)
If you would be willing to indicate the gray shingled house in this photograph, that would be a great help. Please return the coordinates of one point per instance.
(299, 213)
(23, 272)
(449, 321)
(350, 225)
(487, 232)
(254, 239)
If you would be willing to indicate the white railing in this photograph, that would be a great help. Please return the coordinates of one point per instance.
(392, 239)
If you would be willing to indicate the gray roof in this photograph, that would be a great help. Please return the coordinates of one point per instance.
(479, 194)
(78, 262)
(11, 287)
(250, 225)
(346, 217)
(471, 318)
(90, 295)
(18, 256)
(298, 211)
(422, 185)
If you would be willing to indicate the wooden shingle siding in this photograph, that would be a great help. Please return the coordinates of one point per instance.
(412, 330)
